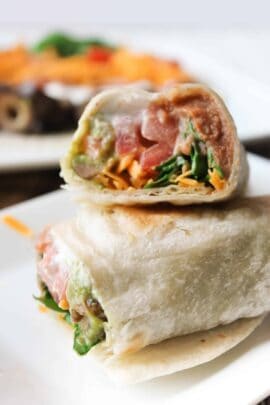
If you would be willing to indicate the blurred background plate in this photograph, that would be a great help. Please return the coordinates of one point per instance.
(248, 99)
(31, 151)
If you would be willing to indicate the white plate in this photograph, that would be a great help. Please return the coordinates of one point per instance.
(38, 365)
(19, 152)
(247, 99)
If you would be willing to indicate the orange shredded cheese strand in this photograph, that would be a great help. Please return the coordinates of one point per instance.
(17, 225)
(189, 182)
(135, 170)
(18, 65)
(136, 175)
(60, 317)
(124, 163)
(117, 185)
(215, 180)
(63, 304)
(138, 183)
(103, 180)
(183, 175)
(42, 308)
(121, 183)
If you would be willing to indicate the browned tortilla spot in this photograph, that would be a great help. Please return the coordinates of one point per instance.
(164, 213)
(135, 344)
(154, 216)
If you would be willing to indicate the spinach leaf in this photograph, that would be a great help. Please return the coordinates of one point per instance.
(66, 45)
(198, 163)
(176, 162)
(163, 166)
(47, 300)
(84, 340)
(67, 318)
(212, 163)
(160, 182)
(166, 169)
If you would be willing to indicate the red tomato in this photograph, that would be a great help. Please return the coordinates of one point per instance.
(98, 54)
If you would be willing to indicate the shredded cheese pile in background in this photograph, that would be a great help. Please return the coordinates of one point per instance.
(19, 65)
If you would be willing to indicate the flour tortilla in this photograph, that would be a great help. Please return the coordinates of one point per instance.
(130, 100)
(174, 354)
(179, 287)
(166, 272)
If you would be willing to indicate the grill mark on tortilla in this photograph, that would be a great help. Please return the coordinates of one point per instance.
(165, 213)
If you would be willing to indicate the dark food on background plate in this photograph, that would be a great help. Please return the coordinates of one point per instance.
(138, 147)
(27, 108)
(133, 277)
(44, 88)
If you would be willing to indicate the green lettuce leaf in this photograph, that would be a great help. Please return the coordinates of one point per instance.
(47, 300)
(66, 45)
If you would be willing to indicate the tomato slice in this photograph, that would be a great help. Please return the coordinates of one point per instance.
(99, 55)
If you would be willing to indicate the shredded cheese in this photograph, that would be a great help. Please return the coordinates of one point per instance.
(18, 65)
(135, 170)
(103, 180)
(17, 225)
(139, 183)
(183, 175)
(63, 304)
(136, 175)
(137, 180)
(42, 308)
(117, 180)
(184, 181)
(215, 180)
(124, 163)
(118, 185)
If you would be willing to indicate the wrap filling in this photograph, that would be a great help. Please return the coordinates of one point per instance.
(176, 141)
(66, 288)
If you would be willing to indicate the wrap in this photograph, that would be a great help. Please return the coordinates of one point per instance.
(136, 147)
(175, 354)
(134, 279)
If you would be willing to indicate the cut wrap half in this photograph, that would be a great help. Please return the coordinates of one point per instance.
(133, 280)
(137, 147)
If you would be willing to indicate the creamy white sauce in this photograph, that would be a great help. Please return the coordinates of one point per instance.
(81, 94)
(76, 94)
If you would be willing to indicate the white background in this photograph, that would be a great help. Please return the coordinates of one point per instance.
(200, 13)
